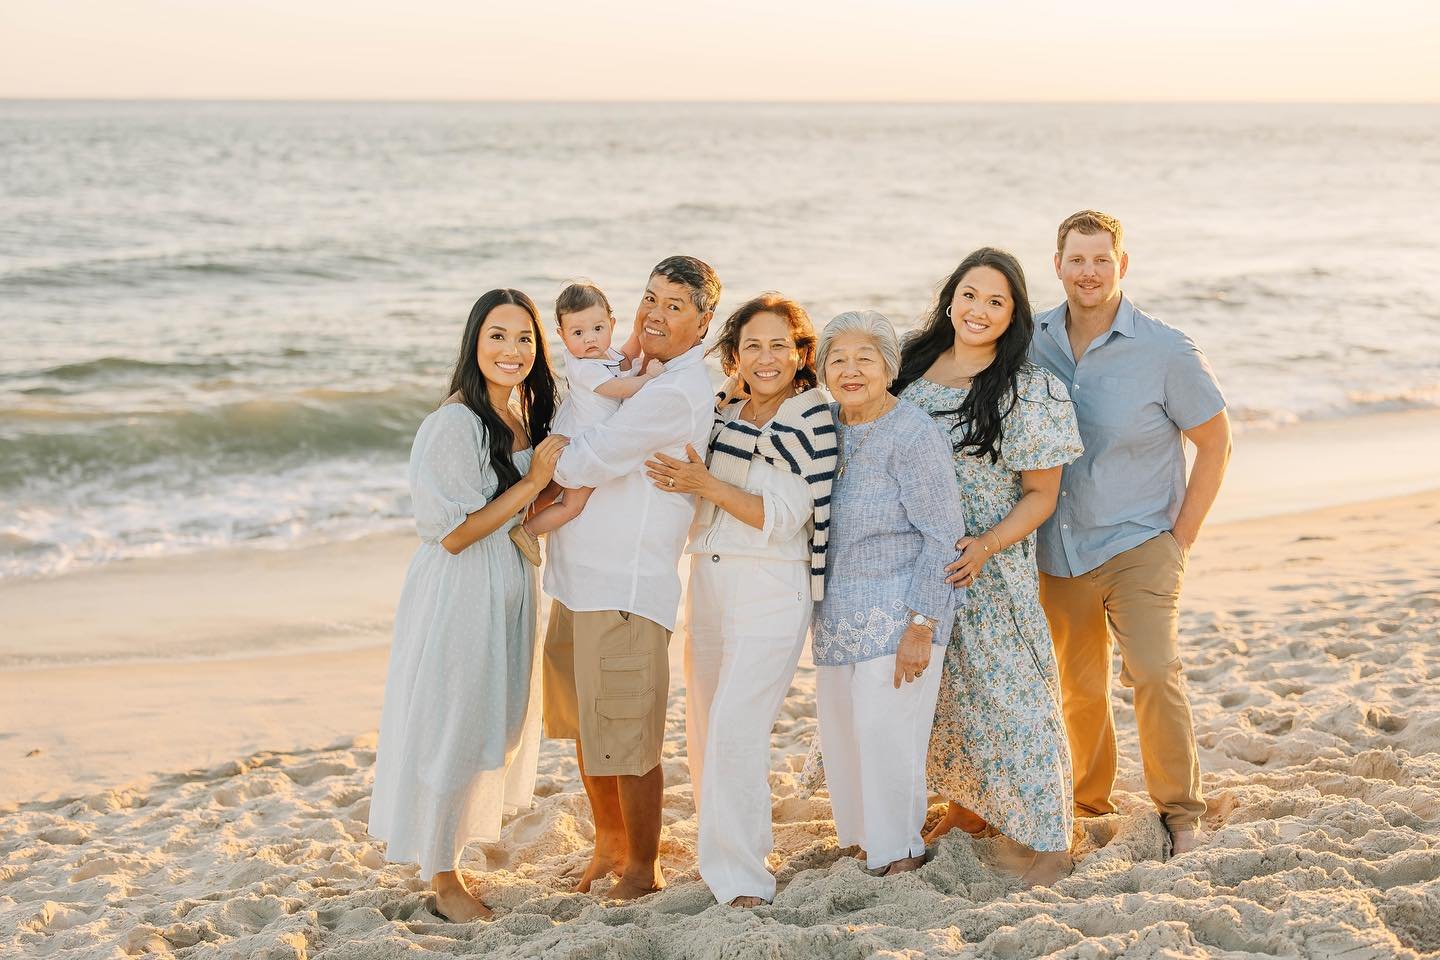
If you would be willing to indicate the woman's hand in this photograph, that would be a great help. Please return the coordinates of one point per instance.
(542, 462)
(964, 571)
(913, 656)
(679, 476)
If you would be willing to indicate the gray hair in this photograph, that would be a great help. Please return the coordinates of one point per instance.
(693, 273)
(868, 323)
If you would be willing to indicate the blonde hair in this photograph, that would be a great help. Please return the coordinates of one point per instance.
(1090, 222)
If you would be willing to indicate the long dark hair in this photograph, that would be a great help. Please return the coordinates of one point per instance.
(995, 390)
(537, 391)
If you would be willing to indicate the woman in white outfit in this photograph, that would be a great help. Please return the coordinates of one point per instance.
(459, 732)
(895, 518)
(758, 563)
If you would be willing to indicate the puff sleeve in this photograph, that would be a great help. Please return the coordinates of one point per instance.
(1040, 431)
(450, 475)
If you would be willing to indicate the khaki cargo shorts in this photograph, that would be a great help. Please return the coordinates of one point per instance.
(607, 680)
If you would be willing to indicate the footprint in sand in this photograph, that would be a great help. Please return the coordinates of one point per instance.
(64, 835)
(1385, 721)
(54, 917)
(98, 867)
(312, 773)
(1288, 687)
(1345, 649)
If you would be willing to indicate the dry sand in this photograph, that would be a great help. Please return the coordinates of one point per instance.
(1312, 644)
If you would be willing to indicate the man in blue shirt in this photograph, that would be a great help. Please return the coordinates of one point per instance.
(1112, 556)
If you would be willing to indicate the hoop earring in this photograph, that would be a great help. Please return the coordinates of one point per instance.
(947, 313)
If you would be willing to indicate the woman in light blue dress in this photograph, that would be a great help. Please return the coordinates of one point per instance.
(459, 732)
(998, 750)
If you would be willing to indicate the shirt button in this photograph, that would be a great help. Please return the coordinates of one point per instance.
(1064, 493)
(714, 558)
(1064, 526)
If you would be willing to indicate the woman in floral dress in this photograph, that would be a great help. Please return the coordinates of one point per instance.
(998, 750)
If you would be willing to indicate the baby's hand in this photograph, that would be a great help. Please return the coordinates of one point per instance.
(653, 368)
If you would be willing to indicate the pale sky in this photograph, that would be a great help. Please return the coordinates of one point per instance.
(1342, 50)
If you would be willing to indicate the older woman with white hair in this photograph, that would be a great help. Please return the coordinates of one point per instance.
(895, 517)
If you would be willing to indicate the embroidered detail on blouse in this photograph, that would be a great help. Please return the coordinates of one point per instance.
(864, 635)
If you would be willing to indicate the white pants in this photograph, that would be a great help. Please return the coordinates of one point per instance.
(873, 739)
(747, 623)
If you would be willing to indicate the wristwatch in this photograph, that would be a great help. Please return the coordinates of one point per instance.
(920, 620)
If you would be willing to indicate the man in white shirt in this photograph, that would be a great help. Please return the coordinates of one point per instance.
(613, 573)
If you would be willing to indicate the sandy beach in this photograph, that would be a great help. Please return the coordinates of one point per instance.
(186, 750)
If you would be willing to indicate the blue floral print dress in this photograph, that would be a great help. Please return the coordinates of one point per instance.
(998, 746)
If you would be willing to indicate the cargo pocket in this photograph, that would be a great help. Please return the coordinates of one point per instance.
(625, 676)
(621, 723)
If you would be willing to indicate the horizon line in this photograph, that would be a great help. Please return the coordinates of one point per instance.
(559, 101)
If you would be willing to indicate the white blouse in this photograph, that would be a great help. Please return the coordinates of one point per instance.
(788, 509)
(622, 552)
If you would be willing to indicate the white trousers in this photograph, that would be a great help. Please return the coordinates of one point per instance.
(747, 623)
(874, 739)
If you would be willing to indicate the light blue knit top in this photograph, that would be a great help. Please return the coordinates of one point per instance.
(895, 515)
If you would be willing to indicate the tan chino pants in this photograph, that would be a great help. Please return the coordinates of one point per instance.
(1132, 599)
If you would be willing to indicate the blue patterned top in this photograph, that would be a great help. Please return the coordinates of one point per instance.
(895, 515)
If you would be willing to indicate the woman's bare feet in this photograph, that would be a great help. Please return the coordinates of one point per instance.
(601, 862)
(1046, 868)
(454, 901)
(633, 886)
(748, 902)
(904, 866)
(958, 817)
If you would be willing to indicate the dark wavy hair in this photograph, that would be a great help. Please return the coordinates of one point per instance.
(537, 391)
(727, 347)
(995, 390)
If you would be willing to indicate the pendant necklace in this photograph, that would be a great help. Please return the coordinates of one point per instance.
(845, 456)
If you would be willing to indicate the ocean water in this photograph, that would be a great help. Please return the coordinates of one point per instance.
(222, 322)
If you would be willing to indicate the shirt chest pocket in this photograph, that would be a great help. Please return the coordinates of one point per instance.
(1113, 401)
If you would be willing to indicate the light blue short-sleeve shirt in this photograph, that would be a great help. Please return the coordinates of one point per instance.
(1138, 386)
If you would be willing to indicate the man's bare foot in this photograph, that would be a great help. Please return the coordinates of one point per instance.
(636, 884)
(1183, 841)
(601, 863)
(962, 818)
(748, 902)
(904, 866)
(455, 902)
(1046, 868)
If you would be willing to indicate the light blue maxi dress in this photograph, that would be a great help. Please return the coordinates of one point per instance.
(460, 728)
(998, 746)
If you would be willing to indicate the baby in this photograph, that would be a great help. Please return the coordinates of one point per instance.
(600, 378)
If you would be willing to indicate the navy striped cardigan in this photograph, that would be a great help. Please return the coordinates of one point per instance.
(801, 439)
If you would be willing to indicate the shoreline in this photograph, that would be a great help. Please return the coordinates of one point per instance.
(96, 663)
(1249, 492)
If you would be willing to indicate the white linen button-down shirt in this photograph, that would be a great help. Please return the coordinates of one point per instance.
(789, 505)
(623, 551)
